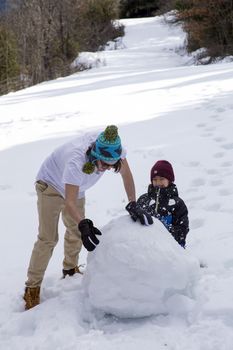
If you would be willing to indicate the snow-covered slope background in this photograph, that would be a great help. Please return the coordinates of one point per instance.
(165, 108)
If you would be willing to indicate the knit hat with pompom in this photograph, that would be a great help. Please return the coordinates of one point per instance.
(108, 145)
(164, 169)
(107, 148)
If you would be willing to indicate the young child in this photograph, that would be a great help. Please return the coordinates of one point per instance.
(163, 202)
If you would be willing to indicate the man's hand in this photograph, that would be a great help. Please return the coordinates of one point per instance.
(138, 213)
(88, 234)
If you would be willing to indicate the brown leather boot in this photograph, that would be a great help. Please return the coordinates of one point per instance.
(31, 297)
(71, 272)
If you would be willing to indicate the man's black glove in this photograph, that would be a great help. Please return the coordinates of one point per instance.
(88, 234)
(138, 213)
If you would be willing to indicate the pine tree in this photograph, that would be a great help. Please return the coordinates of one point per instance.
(139, 8)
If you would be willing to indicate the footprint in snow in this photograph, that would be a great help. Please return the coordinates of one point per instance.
(220, 110)
(5, 125)
(149, 152)
(216, 118)
(219, 155)
(207, 134)
(201, 125)
(226, 164)
(155, 153)
(228, 146)
(212, 128)
(4, 187)
(228, 264)
(196, 223)
(212, 171)
(219, 139)
(198, 182)
(216, 182)
(192, 164)
(225, 192)
(195, 199)
(49, 119)
(213, 207)
(25, 119)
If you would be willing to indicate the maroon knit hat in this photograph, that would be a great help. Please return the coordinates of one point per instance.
(162, 168)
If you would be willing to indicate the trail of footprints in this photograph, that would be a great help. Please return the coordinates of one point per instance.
(218, 177)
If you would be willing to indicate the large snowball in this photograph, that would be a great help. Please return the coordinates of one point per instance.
(136, 270)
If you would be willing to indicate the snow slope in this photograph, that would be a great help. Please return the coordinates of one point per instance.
(165, 109)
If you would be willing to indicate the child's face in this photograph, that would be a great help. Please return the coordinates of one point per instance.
(160, 181)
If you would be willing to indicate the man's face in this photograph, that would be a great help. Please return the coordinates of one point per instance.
(102, 166)
(160, 181)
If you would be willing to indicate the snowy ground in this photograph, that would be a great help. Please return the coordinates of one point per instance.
(165, 109)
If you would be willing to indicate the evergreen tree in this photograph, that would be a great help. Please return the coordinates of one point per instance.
(138, 8)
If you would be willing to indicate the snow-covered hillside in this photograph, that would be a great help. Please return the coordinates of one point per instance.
(165, 108)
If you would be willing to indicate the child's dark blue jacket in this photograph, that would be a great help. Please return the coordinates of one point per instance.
(166, 205)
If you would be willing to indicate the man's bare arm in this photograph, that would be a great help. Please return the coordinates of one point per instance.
(128, 181)
(71, 195)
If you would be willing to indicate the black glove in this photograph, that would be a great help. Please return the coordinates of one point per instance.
(88, 234)
(138, 213)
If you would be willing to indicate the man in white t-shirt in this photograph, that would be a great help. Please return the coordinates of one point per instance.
(60, 185)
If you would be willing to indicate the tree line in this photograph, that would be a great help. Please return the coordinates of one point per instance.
(40, 38)
(209, 25)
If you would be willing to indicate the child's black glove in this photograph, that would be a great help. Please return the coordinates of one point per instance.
(88, 234)
(138, 213)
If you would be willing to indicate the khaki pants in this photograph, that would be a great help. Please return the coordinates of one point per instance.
(50, 205)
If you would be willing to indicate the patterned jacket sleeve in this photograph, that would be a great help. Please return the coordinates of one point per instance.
(180, 224)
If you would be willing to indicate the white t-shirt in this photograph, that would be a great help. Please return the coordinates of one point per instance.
(64, 165)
